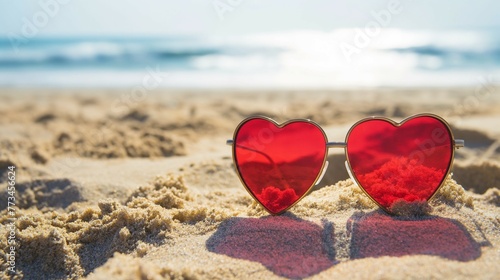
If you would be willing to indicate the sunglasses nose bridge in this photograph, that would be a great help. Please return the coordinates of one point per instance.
(336, 145)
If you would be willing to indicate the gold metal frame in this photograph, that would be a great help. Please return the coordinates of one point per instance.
(321, 172)
(456, 143)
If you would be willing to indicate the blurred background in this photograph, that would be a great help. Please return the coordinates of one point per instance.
(249, 43)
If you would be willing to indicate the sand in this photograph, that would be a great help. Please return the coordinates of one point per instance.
(115, 186)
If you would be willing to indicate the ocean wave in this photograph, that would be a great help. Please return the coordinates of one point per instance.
(452, 57)
(95, 54)
(305, 57)
(119, 52)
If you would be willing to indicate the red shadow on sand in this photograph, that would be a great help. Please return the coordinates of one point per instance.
(377, 235)
(286, 245)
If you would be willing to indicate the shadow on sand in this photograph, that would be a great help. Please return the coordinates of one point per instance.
(377, 234)
(286, 245)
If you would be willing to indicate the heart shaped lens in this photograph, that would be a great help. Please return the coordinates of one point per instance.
(400, 163)
(278, 164)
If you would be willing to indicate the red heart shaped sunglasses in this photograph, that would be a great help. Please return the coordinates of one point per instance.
(393, 163)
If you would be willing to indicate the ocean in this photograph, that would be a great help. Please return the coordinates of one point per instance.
(294, 59)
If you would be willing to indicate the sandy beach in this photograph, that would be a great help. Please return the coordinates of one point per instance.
(112, 185)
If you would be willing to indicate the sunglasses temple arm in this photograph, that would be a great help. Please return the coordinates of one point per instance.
(328, 144)
(459, 143)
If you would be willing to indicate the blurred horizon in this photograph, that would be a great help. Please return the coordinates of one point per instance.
(249, 44)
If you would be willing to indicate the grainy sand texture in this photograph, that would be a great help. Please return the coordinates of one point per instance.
(114, 186)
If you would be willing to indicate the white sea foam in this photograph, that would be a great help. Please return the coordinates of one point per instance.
(311, 59)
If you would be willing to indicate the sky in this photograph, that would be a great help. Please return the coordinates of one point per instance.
(221, 17)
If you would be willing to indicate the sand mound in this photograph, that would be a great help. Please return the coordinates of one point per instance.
(56, 193)
(330, 199)
(478, 177)
(60, 245)
(70, 245)
(138, 269)
(115, 142)
(492, 196)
